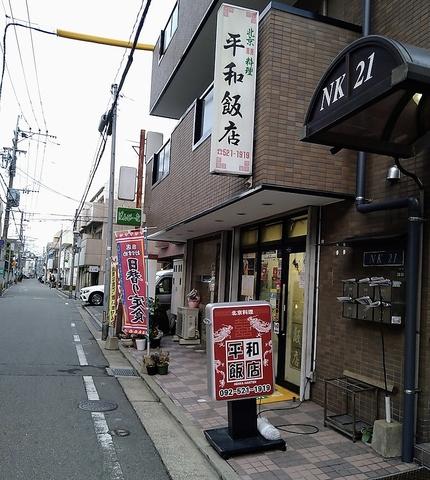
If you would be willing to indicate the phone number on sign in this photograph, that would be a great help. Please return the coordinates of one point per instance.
(227, 152)
(229, 392)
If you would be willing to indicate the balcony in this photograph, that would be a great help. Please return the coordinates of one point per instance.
(177, 82)
(92, 252)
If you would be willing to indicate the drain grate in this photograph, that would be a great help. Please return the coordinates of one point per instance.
(97, 405)
(122, 372)
(420, 474)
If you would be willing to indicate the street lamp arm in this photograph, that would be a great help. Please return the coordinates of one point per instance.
(103, 40)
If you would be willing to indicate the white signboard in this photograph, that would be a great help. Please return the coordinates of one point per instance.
(234, 90)
(127, 183)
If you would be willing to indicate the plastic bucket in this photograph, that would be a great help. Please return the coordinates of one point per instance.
(140, 344)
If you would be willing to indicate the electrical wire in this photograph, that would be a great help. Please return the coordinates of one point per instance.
(22, 67)
(15, 24)
(14, 92)
(114, 103)
(129, 38)
(48, 188)
(314, 428)
(35, 68)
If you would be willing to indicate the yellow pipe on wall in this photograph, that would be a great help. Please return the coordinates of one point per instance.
(104, 41)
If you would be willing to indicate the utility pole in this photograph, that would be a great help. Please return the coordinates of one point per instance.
(74, 246)
(60, 246)
(109, 234)
(12, 171)
(21, 244)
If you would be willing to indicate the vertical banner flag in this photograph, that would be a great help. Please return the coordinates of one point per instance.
(234, 91)
(113, 300)
(131, 269)
(239, 346)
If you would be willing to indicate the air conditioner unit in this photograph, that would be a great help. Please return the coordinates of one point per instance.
(187, 323)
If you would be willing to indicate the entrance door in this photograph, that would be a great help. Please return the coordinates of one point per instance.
(270, 290)
(291, 322)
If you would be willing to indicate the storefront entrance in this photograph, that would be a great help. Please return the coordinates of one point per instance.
(273, 269)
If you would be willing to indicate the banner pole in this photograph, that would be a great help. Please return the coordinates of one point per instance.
(145, 241)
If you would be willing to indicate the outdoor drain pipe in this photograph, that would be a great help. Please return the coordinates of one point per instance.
(413, 255)
(412, 295)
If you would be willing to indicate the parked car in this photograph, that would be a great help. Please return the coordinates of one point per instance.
(93, 295)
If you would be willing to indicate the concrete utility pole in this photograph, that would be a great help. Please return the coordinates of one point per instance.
(109, 234)
(74, 246)
(12, 171)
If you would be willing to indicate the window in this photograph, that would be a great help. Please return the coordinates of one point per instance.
(164, 287)
(161, 163)
(169, 30)
(203, 115)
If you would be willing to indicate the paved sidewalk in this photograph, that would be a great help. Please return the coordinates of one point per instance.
(321, 456)
(324, 455)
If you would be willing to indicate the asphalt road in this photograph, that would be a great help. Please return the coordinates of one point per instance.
(44, 348)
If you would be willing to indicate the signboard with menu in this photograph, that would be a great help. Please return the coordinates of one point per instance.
(239, 346)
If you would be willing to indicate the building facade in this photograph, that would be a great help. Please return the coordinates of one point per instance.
(290, 233)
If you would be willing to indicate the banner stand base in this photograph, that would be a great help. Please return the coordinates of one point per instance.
(241, 436)
(227, 447)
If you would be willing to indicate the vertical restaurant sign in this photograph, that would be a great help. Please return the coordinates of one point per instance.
(239, 350)
(234, 91)
(113, 300)
(131, 269)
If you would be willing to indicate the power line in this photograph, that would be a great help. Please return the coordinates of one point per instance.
(46, 186)
(14, 24)
(114, 103)
(22, 66)
(35, 68)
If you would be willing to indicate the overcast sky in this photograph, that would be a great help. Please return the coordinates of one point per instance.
(75, 79)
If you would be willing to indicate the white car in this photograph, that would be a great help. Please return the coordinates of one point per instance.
(93, 295)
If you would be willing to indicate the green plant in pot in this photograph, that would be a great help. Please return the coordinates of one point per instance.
(163, 363)
(150, 362)
(155, 334)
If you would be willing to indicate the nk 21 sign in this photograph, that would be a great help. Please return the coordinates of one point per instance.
(234, 91)
(132, 277)
(239, 346)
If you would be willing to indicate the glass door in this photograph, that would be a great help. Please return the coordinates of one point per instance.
(270, 290)
(291, 325)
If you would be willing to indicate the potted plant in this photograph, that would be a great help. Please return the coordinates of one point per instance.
(163, 363)
(155, 333)
(150, 362)
(193, 298)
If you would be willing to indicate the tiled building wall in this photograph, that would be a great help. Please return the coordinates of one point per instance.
(288, 71)
(294, 53)
(344, 344)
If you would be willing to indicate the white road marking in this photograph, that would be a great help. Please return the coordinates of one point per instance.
(90, 388)
(81, 355)
(111, 465)
(76, 338)
(66, 303)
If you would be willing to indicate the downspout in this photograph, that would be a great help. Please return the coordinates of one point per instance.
(412, 280)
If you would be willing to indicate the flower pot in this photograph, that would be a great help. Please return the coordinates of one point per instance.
(154, 342)
(193, 303)
(151, 369)
(163, 369)
(140, 344)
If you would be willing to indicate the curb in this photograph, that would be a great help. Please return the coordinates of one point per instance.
(224, 470)
(220, 466)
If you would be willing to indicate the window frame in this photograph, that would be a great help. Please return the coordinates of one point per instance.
(198, 136)
(163, 46)
(156, 179)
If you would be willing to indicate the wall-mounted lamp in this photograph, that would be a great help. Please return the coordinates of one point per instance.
(393, 174)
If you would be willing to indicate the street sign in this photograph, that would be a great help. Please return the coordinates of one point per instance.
(239, 350)
(129, 216)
